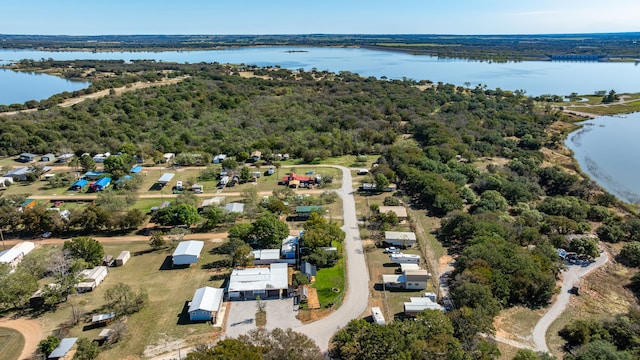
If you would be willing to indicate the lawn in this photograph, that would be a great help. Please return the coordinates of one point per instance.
(162, 320)
(330, 284)
(11, 344)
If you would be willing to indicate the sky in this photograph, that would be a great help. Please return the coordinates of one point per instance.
(249, 17)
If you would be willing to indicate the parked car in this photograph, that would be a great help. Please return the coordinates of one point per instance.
(46, 235)
(391, 250)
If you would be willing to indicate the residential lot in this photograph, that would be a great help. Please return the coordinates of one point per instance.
(241, 315)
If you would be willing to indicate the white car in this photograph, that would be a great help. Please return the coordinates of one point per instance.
(391, 250)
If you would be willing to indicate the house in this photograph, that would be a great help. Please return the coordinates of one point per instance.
(304, 212)
(48, 157)
(299, 180)
(101, 184)
(63, 351)
(26, 157)
(408, 280)
(400, 211)
(163, 205)
(28, 203)
(100, 158)
(21, 174)
(309, 270)
(234, 207)
(197, 188)
(400, 238)
(15, 255)
(65, 158)
(214, 201)
(266, 256)
(255, 156)
(419, 304)
(206, 304)
(224, 181)
(271, 282)
(377, 316)
(405, 258)
(78, 185)
(369, 187)
(187, 252)
(91, 278)
(166, 178)
(136, 169)
(123, 258)
(93, 175)
(219, 158)
(167, 157)
(289, 247)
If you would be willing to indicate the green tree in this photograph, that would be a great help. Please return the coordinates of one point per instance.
(381, 182)
(630, 253)
(122, 300)
(157, 240)
(119, 165)
(181, 214)
(599, 350)
(229, 164)
(47, 345)
(87, 350)
(585, 245)
(16, 288)
(87, 163)
(491, 200)
(243, 256)
(245, 174)
(86, 248)
(226, 349)
(320, 233)
(279, 344)
(268, 231)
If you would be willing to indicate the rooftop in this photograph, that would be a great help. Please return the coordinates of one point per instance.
(191, 247)
(273, 277)
(206, 298)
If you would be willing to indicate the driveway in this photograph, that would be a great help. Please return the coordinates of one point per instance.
(242, 314)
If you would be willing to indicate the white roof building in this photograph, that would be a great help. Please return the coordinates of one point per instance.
(15, 255)
(214, 201)
(187, 252)
(252, 282)
(206, 303)
(400, 238)
(234, 207)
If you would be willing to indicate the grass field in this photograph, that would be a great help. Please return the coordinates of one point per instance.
(330, 284)
(164, 319)
(11, 344)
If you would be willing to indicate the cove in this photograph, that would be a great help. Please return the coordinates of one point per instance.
(19, 87)
(606, 149)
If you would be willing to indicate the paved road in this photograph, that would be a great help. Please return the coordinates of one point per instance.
(569, 277)
(357, 295)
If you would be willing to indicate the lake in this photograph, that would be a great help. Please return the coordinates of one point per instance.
(18, 87)
(606, 149)
(535, 77)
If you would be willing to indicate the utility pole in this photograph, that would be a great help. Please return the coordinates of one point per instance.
(2, 237)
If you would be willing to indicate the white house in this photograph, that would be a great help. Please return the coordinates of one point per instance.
(418, 304)
(400, 238)
(205, 304)
(15, 255)
(91, 278)
(187, 252)
(260, 281)
(408, 280)
(377, 316)
(234, 207)
(266, 256)
(405, 258)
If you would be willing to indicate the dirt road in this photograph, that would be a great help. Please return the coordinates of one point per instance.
(30, 330)
(569, 277)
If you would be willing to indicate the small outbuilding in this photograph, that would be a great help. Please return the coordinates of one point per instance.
(187, 252)
(26, 157)
(48, 158)
(91, 278)
(101, 184)
(400, 211)
(123, 258)
(206, 304)
(166, 178)
(63, 350)
(304, 212)
(419, 304)
(78, 185)
(234, 207)
(377, 316)
(214, 201)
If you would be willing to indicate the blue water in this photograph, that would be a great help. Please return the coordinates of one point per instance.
(535, 77)
(17, 87)
(607, 150)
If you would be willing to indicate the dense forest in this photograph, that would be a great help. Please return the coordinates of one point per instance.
(479, 47)
(502, 222)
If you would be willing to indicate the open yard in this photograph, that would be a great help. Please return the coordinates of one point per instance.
(163, 320)
(11, 343)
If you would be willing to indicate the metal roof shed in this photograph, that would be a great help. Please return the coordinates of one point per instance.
(187, 252)
(166, 177)
(136, 169)
(65, 346)
(205, 304)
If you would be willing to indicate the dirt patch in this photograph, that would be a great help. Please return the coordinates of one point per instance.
(30, 330)
(443, 264)
(164, 346)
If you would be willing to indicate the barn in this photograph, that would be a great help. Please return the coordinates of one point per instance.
(206, 303)
(187, 252)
